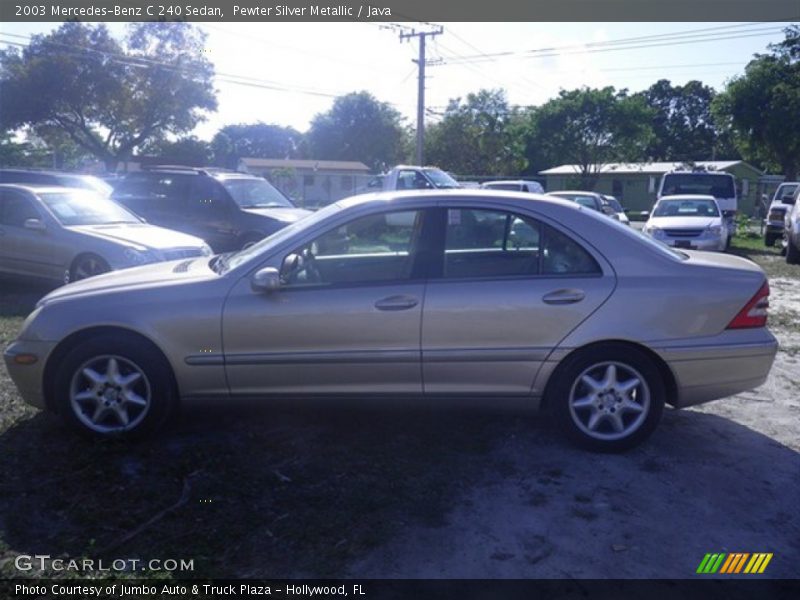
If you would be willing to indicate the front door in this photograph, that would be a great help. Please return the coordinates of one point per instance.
(346, 318)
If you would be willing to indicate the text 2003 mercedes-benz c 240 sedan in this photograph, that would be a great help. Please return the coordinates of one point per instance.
(476, 295)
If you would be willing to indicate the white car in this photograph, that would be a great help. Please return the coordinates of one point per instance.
(617, 207)
(688, 221)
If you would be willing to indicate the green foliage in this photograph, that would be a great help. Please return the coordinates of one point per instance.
(359, 127)
(255, 140)
(185, 151)
(761, 107)
(589, 128)
(108, 97)
(682, 123)
(476, 137)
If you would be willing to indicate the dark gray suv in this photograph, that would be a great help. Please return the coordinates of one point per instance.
(227, 209)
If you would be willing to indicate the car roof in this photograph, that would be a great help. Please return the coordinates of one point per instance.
(688, 197)
(467, 195)
(41, 188)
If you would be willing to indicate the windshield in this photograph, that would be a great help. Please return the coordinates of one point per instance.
(615, 204)
(84, 207)
(582, 199)
(686, 208)
(235, 259)
(710, 184)
(88, 182)
(255, 193)
(440, 179)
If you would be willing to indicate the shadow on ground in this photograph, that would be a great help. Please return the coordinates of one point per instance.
(382, 493)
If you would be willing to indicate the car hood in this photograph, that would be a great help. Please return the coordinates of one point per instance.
(683, 222)
(284, 215)
(147, 276)
(140, 234)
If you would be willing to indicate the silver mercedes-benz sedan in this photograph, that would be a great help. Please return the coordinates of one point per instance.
(64, 234)
(498, 297)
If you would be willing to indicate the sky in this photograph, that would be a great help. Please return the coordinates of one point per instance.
(310, 63)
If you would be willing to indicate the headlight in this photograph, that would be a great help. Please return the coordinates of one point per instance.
(714, 230)
(653, 231)
(140, 257)
(206, 250)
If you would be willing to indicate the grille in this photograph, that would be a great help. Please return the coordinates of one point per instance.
(683, 233)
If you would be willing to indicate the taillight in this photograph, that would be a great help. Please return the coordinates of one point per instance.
(754, 313)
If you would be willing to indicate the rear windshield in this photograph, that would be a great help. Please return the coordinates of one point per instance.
(583, 200)
(440, 179)
(709, 184)
(512, 187)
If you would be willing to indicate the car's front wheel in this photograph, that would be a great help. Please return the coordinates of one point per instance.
(114, 386)
(607, 398)
(88, 265)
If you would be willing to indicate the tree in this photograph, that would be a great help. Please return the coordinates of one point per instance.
(588, 128)
(255, 140)
(186, 151)
(359, 127)
(107, 97)
(761, 107)
(682, 122)
(475, 137)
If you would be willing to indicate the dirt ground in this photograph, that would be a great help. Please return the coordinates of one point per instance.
(422, 493)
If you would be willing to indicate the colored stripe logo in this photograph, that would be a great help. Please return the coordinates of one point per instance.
(734, 563)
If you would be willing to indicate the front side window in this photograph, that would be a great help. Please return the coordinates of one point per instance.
(369, 249)
(15, 209)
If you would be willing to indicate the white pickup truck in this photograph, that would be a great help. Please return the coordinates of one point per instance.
(407, 177)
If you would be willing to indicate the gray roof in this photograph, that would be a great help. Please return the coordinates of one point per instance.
(650, 168)
(316, 165)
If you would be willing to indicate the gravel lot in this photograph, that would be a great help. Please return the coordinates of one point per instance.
(376, 493)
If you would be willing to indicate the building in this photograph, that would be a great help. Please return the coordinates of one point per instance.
(310, 183)
(635, 184)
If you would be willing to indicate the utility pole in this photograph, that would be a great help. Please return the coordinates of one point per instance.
(421, 86)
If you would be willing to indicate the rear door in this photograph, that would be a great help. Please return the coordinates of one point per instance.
(508, 290)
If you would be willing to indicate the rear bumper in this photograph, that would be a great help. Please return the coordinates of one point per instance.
(708, 372)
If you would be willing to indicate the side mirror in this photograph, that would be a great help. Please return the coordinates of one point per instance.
(34, 224)
(266, 280)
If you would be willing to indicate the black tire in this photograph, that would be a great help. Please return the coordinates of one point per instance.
(88, 265)
(155, 386)
(792, 253)
(770, 239)
(575, 422)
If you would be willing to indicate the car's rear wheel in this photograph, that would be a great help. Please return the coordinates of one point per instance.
(114, 386)
(792, 253)
(88, 265)
(607, 398)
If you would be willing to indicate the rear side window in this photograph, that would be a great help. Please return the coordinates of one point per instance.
(487, 244)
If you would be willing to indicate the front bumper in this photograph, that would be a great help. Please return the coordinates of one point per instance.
(29, 378)
(709, 371)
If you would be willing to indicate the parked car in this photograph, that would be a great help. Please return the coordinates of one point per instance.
(56, 178)
(516, 185)
(396, 296)
(410, 177)
(702, 181)
(778, 209)
(62, 234)
(227, 209)
(791, 232)
(588, 199)
(615, 205)
(688, 221)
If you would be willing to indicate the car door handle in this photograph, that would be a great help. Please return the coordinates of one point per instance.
(396, 303)
(563, 297)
